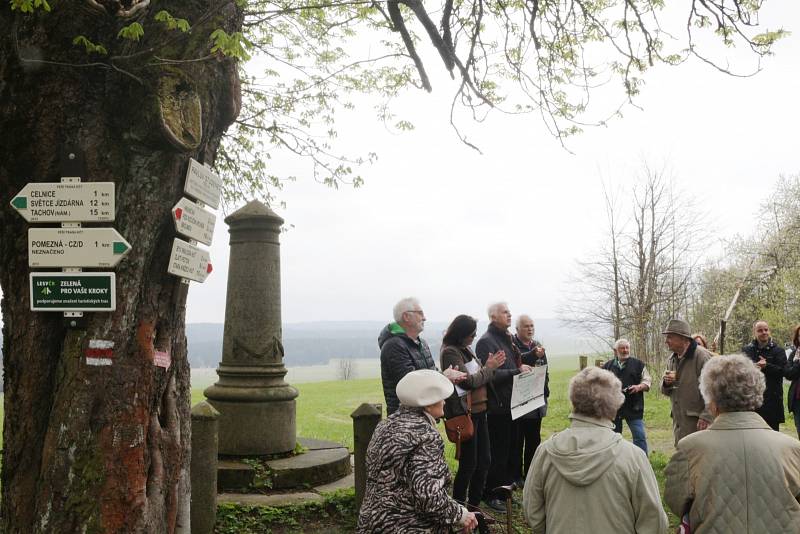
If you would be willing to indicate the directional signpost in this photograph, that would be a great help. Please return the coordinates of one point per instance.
(75, 247)
(189, 261)
(203, 184)
(193, 221)
(73, 292)
(66, 202)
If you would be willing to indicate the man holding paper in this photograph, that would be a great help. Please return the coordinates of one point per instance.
(502, 431)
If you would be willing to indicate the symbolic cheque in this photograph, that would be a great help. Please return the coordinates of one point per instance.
(528, 392)
(66, 202)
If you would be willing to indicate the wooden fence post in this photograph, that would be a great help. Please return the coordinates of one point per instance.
(365, 419)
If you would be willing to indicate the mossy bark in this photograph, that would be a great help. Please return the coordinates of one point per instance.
(102, 448)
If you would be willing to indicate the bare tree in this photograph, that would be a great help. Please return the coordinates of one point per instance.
(641, 276)
(346, 368)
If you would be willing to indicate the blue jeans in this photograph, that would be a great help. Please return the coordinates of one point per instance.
(637, 431)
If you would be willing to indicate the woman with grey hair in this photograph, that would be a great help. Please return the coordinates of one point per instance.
(591, 464)
(739, 475)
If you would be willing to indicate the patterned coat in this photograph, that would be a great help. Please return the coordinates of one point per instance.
(407, 478)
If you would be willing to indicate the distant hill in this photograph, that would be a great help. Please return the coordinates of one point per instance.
(315, 343)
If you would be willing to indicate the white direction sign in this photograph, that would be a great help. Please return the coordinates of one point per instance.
(66, 202)
(75, 247)
(203, 184)
(193, 221)
(189, 261)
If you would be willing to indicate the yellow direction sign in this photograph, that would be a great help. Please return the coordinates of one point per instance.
(66, 202)
(75, 247)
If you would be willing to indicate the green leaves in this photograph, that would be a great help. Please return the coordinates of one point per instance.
(133, 32)
(91, 48)
(171, 22)
(233, 45)
(28, 6)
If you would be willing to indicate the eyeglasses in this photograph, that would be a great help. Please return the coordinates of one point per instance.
(416, 311)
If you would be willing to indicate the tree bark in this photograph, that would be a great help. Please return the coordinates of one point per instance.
(104, 448)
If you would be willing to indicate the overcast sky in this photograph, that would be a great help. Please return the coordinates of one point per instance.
(459, 230)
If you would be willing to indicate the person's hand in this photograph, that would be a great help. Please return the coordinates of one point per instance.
(525, 368)
(761, 363)
(702, 424)
(669, 378)
(797, 356)
(636, 388)
(469, 522)
(454, 375)
(496, 360)
(539, 352)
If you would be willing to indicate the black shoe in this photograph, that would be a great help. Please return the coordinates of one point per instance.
(498, 505)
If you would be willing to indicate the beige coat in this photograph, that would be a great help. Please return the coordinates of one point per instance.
(685, 399)
(742, 476)
(587, 479)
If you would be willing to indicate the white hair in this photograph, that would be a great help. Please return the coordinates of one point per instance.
(733, 383)
(621, 341)
(404, 305)
(522, 318)
(597, 393)
(493, 308)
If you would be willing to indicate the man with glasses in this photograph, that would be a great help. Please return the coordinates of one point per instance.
(403, 351)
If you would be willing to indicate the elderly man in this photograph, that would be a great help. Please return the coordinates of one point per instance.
(529, 426)
(681, 380)
(403, 351)
(502, 431)
(771, 359)
(592, 465)
(738, 476)
(635, 379)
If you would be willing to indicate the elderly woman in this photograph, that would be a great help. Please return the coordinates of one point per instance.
(587, 478)
(739, 475)
(406, 474)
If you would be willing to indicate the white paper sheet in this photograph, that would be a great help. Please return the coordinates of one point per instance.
(472, 367)
(528, 392)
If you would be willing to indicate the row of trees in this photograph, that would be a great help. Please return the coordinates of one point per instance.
(652, 267)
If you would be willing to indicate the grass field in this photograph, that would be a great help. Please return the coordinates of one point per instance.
(324, 408)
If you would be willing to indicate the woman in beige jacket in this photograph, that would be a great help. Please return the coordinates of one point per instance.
(739, 475)
(587, 479)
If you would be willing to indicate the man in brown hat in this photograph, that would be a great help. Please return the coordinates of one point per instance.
(682, 378)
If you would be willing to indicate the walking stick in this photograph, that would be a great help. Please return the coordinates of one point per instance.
(507, 491)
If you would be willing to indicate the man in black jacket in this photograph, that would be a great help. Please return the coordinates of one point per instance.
(771, 359)
(502, 431)
(403, 351)
(635, 380)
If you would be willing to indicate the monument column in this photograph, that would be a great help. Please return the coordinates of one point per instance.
(257, 407)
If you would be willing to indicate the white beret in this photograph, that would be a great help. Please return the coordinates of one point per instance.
(423, 388)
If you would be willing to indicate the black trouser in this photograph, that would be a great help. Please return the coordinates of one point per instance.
(529, 436)
(502, 438)
(474, 463)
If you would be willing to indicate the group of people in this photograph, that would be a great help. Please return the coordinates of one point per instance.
(740, 476)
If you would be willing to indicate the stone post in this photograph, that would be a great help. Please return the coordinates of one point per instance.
(257, 408)
(365, 419)
(203, 468)
(584, 361)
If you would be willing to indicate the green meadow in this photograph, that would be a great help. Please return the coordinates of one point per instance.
(324, 408)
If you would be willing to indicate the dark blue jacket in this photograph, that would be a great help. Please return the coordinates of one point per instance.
(399, 356)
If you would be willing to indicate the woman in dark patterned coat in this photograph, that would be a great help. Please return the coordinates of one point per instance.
(407, 476)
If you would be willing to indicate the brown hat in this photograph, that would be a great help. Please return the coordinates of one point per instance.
(679, 327)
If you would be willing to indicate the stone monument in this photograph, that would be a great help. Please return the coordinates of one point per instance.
(257, 407)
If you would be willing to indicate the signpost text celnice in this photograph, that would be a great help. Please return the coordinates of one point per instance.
(66, 201)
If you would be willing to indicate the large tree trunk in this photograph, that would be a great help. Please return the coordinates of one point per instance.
(103, 448)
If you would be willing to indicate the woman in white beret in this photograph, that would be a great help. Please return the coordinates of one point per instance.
(407, 476)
